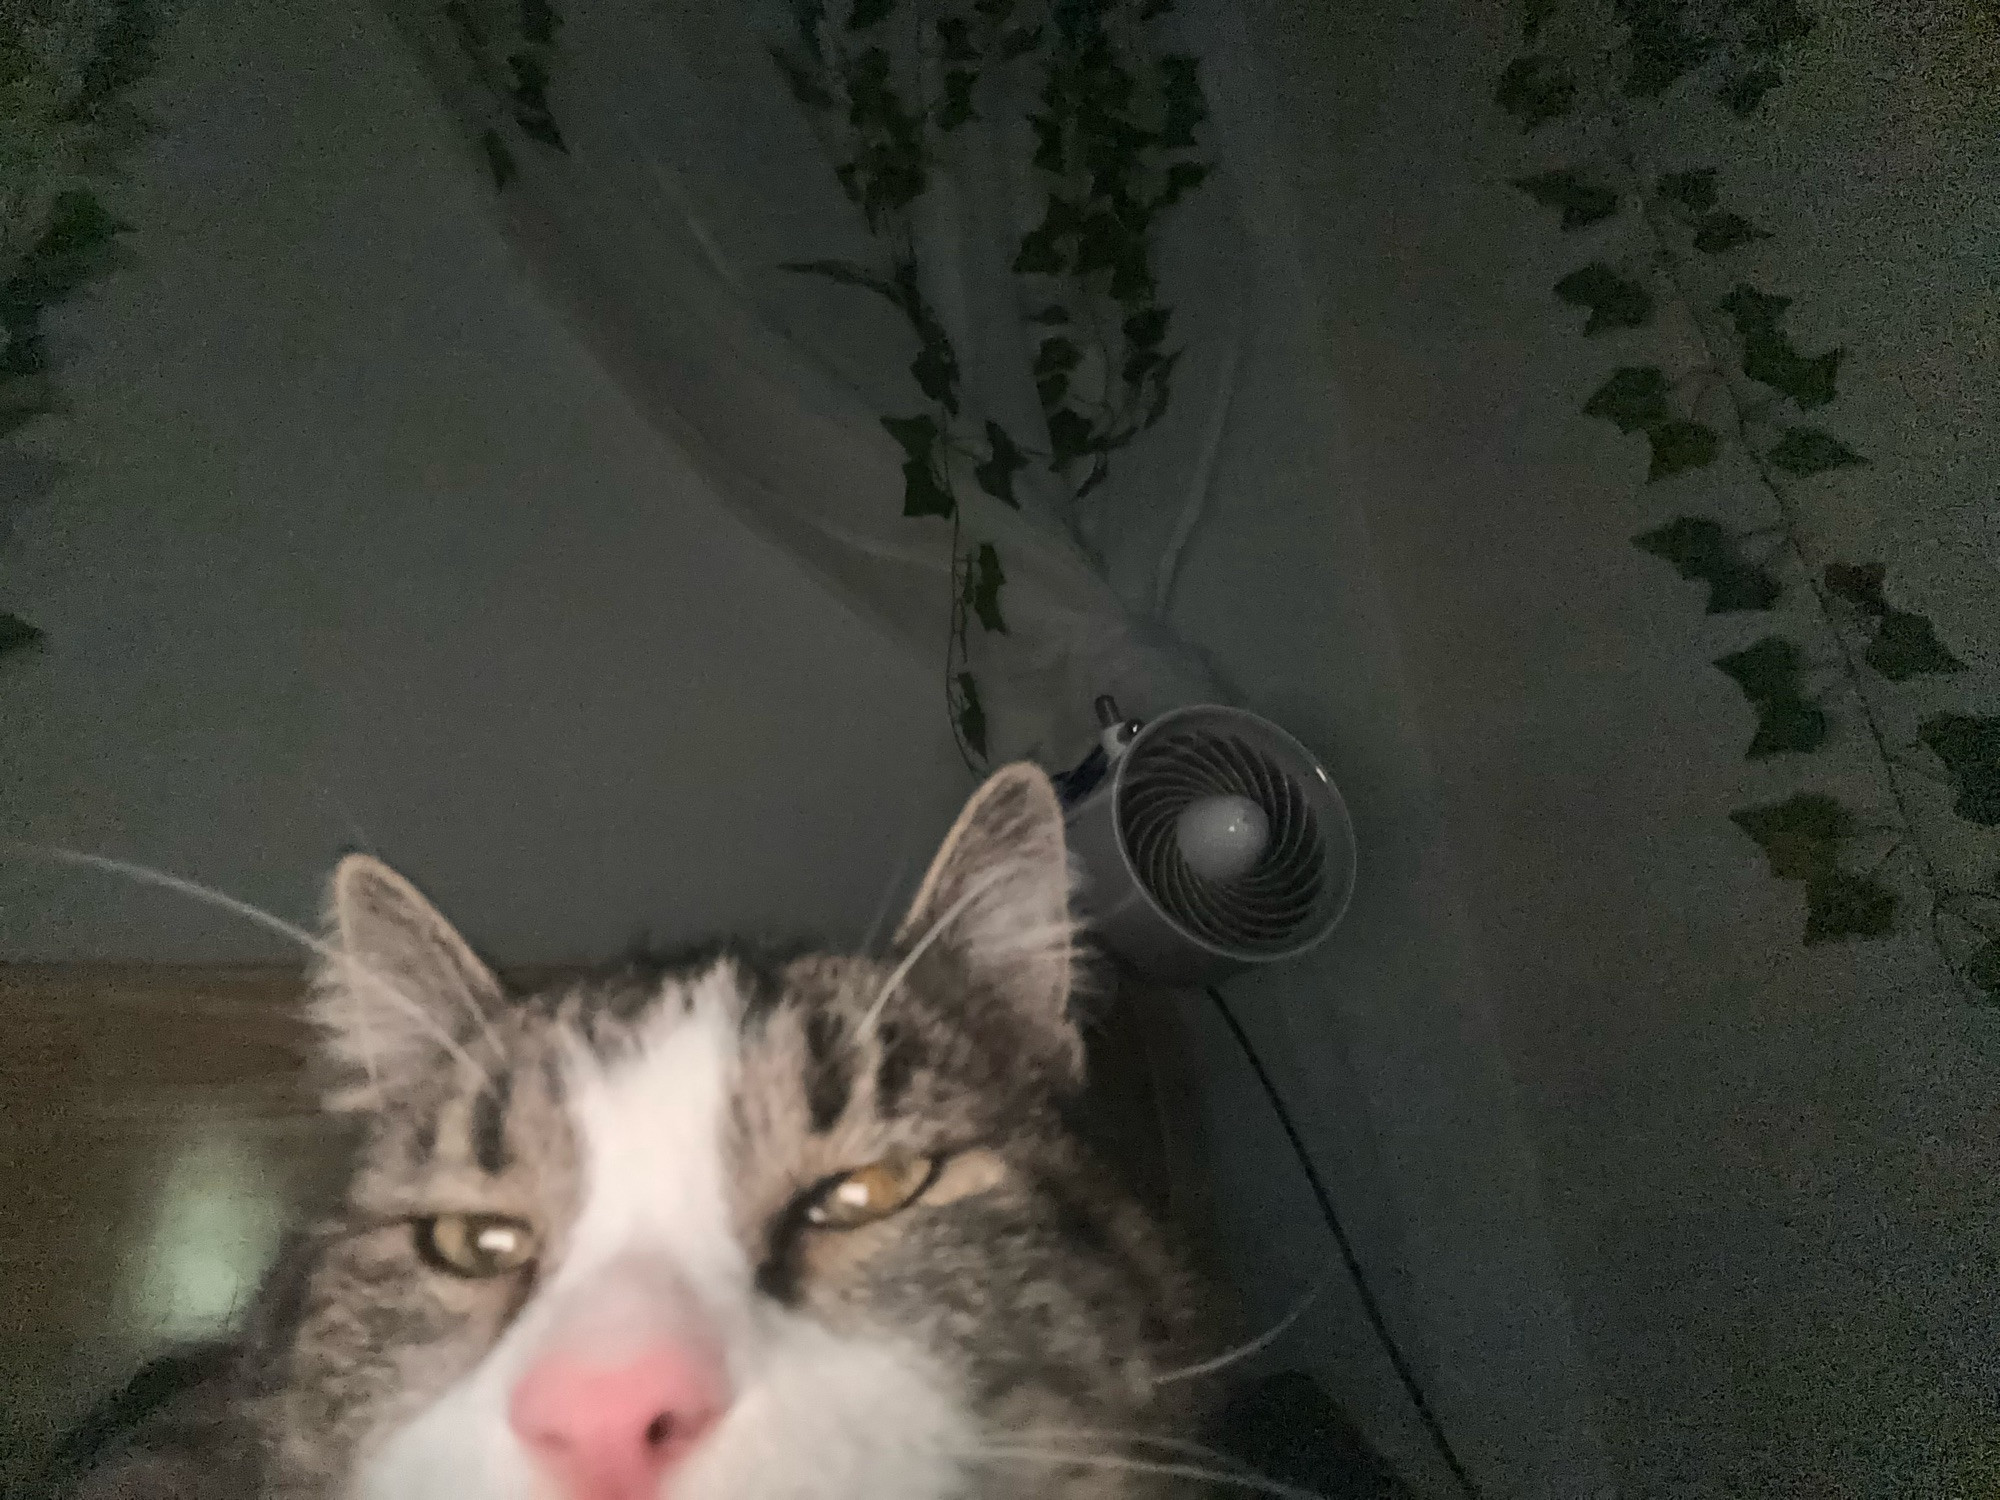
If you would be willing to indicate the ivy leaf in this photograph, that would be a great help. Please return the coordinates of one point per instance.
(1147, 328)
(955, 40)
(1057, 356)
(1840, 905)
(16, 634)
(1860, 584)
(1635, 397)
(1773, 23)
(1679, 446)
(996, 475)
(971, 716)
(868, 13)
(1533, 14)
(1983, 968)
(1800, 836)
(499, 160)
(1969, 746)
(957, 106)
(1701, 549)
(1535, 90)
(23, 398)
(923, 493)
(1807, 450)
(1070, 437)
(531, 101)
(538, 22)
(1659, 48)
(1768, 674)
(1694, 190)
(1720, 232)
(1183, 177)
(1906, 646)
(72, 250)
(1768, 355)
(1742, 92)
(983, 581)
(1051, 316)
(1180, 87)
(1582, 203)
(1020, 42)
(1614, 301)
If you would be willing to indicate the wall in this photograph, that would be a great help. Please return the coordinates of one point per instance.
(353, 545)
(1770, 1173)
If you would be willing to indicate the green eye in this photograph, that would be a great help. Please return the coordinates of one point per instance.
(475, 1245)
(871, 1192)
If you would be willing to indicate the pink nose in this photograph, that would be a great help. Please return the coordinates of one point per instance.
(611, 1431)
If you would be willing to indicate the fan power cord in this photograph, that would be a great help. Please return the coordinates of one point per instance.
(1370, 1307)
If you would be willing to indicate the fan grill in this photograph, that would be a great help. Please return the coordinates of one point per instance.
(1282, 896)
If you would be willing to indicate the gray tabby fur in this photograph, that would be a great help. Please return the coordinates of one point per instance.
(1033, 1281)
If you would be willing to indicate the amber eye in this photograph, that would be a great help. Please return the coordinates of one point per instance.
(871, 1192)
(475, 1245)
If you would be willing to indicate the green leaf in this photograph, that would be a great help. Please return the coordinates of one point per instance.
(1613, 300)
(1147, 329)
(868, 13)
(499, 160)
(1052, 391)
(1051, 316)
(1582, 203)
(1906, 646)
(957, 106)
(1183, 177)
(1768, 674)
(1807, 450)
(1860, 584)
(1693, 190)
(538, 22)
(971, 716)
(1719, 232)
(1679, 446)
(924, 494)
(1658, 47)
(1057, 356)
(1983, 969)
(531, 101)
(1533, 14)
(1070, 437)
(1800, 836)
(996, 475)
(122, 53)
(955, 40)
(1768, 355)
(983, 581)
(1019, 42)
(1635, 397)
(16, 634)
(1840, 905)
(1969, 746)
(72, 250)
(1742, 92)
(1180, 86)
(1535, 90)
(1774, 23)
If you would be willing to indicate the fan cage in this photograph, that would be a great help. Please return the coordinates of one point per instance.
(1286, 900)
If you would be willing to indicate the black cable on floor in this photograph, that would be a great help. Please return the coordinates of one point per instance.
(1369, 1306)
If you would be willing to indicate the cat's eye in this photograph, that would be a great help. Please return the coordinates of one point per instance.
(475, 1245)
(871, 1192)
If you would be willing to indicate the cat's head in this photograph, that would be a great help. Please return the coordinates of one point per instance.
(722, 1231)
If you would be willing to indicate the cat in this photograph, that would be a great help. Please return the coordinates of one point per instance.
(720, 1229)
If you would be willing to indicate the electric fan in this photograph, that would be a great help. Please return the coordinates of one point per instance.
(1210, 841)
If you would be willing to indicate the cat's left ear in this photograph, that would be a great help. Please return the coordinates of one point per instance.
(993, 912)
(397, 990)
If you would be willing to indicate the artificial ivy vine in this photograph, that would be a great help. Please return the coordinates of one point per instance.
(1745, 386)
(887, 83)
(66, 73)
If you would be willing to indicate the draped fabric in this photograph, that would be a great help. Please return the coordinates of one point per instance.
(687, 177)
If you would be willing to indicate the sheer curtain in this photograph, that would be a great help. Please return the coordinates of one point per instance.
(685, 180)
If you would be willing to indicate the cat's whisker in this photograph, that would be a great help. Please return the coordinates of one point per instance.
(223, 901)
(974, 889)
(1114, 1434)
(1239, 1480)
(1254, 1346)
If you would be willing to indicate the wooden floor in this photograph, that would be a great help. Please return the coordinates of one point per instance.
(155, 1141)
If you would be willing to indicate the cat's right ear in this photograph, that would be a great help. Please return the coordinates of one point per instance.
(396, 990)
